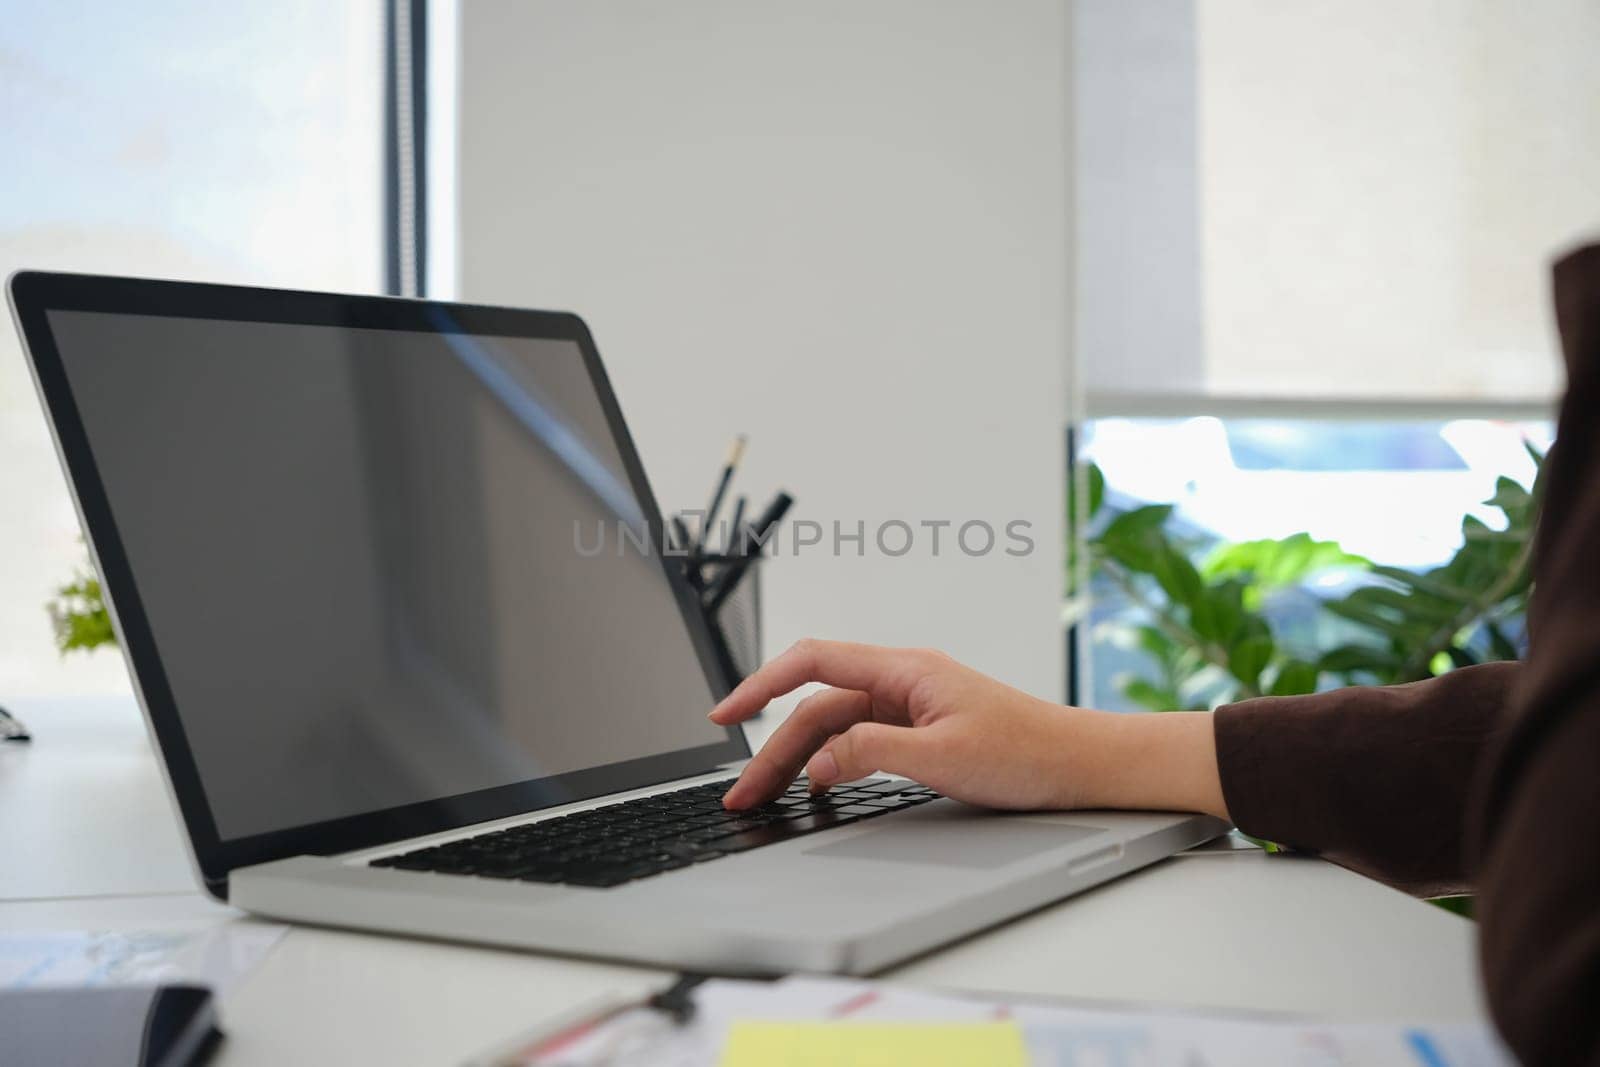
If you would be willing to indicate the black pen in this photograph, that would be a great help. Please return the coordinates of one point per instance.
(756, 534)
(732, 540)
(735, 453)
(680, 535)
(749, 550)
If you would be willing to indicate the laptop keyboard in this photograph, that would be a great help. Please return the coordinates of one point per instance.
(619, 843)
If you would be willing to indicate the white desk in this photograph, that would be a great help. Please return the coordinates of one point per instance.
(87, 839)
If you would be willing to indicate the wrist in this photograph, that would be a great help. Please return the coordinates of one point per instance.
(1164, 761)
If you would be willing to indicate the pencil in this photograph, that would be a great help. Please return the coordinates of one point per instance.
(735, 453)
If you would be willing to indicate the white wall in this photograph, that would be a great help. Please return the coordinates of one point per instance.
(839, 226)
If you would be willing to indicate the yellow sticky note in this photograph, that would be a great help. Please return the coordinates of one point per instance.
(845, 1044)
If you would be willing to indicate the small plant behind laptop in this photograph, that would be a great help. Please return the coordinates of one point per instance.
(1200, 612)
(78, 614)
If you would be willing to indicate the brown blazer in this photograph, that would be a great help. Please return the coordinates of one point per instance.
(1486, 779)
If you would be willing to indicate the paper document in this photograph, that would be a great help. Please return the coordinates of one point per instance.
(828, 1022)
(211, 954)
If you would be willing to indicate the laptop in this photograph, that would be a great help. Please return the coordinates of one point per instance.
(348, 544)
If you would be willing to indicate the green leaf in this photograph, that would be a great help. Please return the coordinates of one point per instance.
(1275, 564)
(1176, 575)
(1149, 696)
(1462, 906)
(1474, 529)
(1500, 645)
(1154, 641)
(1135, 538)
(1366, 617)
(1219, 613)
(1348, 658)
(1295, 678)
(1136, 523)
(1136, 526)
(1407, 619)
(1429, 583)
(1509, 497)
(1248, 658)
(1415, 607)
(1536, 490)
(1097, 488)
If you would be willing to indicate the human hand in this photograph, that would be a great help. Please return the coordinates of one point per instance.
(919, 713)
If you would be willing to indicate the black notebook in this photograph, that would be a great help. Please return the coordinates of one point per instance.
(116, 1026)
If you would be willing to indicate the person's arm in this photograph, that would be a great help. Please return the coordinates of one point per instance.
(1375, 778)
(1537, 819)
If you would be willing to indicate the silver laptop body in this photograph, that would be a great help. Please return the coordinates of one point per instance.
(852, 900)
(388, 575)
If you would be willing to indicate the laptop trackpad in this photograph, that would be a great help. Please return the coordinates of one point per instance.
(977, 843)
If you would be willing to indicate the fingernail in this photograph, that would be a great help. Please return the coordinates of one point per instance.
(823, 768)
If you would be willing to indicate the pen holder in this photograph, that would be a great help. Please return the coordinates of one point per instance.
(735, 624)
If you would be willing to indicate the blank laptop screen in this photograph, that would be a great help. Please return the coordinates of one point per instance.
(380, 566)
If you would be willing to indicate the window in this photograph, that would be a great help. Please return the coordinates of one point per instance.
(218, 142)
(1392, 491)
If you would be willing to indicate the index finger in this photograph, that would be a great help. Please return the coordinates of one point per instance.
(816, 718)
(887, 673)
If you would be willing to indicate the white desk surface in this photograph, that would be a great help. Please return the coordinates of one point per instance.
(89, 840)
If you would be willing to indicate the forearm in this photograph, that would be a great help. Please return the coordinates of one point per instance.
(1155, 762)
(1375, 778)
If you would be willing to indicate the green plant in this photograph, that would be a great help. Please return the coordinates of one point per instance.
(1451, 616)
(1200, 613)
(78, 615)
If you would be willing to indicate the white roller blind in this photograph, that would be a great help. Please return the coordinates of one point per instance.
(1374, 189)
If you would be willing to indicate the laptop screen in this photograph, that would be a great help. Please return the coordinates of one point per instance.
(381, 567)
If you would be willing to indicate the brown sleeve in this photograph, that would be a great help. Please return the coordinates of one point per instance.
(1536, 820)
(1374, 778)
